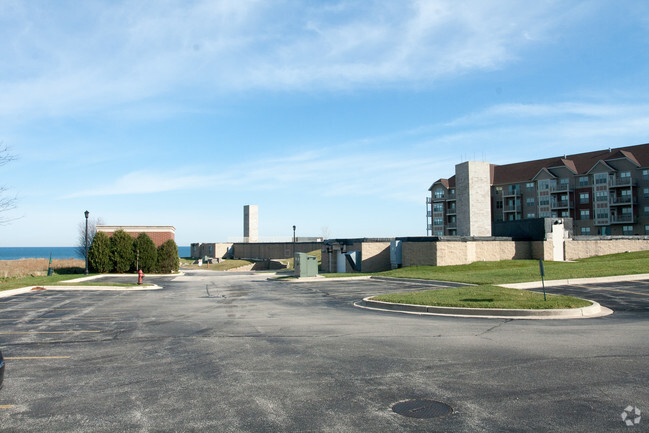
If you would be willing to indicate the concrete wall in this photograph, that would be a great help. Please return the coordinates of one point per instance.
(579, 248)
(375, 256)
(215, 250)
(272, 250)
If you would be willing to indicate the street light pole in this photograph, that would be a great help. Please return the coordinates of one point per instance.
(86, 213)
(294, 244)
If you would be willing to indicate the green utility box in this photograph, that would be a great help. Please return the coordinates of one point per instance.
(305, 265)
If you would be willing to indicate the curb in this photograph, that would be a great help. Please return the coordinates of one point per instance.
(568, 282)
(592, 311)
(23, 290)
(436, 283)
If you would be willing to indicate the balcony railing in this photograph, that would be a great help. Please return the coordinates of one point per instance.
(561, 204)
(451, 211)
(621, 219)
(623, 200)
(620, 181)
(512, 208)
(562, 187)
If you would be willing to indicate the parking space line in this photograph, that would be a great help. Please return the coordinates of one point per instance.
(59, 318)
(46, 332)
(43, 308)
(13, 358)
(612, 290)
(6, 406)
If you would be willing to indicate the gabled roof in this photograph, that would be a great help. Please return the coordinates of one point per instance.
(602, 164)
(446, 183)
(543, 170)
(580, 163)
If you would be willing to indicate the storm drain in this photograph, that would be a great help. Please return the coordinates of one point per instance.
(422, 409)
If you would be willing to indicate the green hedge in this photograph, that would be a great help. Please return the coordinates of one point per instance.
(121, 253)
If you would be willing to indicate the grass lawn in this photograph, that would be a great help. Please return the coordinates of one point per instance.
(17, 282)
(485, 296)
(518, 271)
(225, 265)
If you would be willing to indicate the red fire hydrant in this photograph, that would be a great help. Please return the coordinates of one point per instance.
(140, 275)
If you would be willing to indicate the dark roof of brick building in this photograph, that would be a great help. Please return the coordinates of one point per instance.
(579, 163)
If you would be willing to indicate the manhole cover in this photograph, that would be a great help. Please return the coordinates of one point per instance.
(422, 409)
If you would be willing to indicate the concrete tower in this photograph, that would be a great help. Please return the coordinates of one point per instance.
(473, 195)
(250, 223)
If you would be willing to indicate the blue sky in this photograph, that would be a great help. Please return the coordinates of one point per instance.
(335, 116)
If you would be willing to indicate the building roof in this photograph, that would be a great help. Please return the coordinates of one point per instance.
(580, 163)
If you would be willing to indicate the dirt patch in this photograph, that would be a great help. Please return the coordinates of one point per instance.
(38, 267)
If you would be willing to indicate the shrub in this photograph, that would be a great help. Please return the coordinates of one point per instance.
(145, 249)
(168, 260)
(99, 256)
(121, 248)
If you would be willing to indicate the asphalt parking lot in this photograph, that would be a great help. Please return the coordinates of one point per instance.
(235, 352)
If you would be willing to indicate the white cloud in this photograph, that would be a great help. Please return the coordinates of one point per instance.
(81, 57)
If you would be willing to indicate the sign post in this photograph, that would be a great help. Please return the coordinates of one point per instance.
(542, 280)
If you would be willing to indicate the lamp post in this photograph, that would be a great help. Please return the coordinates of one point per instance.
(294, 245)
(86, 213)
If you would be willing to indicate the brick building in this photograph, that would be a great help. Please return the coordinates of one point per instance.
(605, 192)
(159, 234)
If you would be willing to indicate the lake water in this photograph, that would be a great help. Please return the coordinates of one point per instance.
(15, 253)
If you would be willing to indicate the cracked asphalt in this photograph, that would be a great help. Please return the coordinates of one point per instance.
(257, 355)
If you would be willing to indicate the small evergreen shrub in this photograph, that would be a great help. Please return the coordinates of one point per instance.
(168, 260)
(121, 246)
(145, 249)
(99, 254)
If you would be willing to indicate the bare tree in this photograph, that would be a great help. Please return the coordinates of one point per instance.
(92, 231)
(7, 203)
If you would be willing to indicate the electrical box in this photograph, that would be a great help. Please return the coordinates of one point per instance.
(305, 265)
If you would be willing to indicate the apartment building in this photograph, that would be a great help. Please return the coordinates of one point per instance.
(605, 192)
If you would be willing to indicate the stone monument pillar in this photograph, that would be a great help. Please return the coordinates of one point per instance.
(250, 223)
(473, 198)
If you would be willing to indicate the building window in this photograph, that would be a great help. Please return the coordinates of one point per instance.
(439, 193)
(602, 214)
(626, 210)
(583, 181)
(531, 215)
(646, 230)
(544, 184)
(646, 210)
(645, 192)
(627, 230)
(645, 174)
(530, 201)
(601, 178)
(544, 214)
(601, 196)
(605, 231)
(625, 174)
(499, 204)
(438, 207)
(584, 214)
(544, 201)
(565, 214)
(585, 231)
(529, 185)
(438, 222)
(584, 197)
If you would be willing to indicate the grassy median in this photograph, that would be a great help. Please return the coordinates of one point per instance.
(518, 271)
(485, 296)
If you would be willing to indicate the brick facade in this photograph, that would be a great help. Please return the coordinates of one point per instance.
(159, 234)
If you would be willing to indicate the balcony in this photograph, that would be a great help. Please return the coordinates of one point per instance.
(616, 182)
(622, 219)
(429, 200)
(561, 204)
(451, 211)
(512, 193)
(451, 225)
(562, 187)
(623, 200)
(512, 208)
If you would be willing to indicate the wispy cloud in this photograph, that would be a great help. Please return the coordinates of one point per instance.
(79, 58)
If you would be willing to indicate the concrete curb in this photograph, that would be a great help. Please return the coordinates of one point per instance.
(592, 311)
(435, 283)
(23, 290)
(596, 280)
